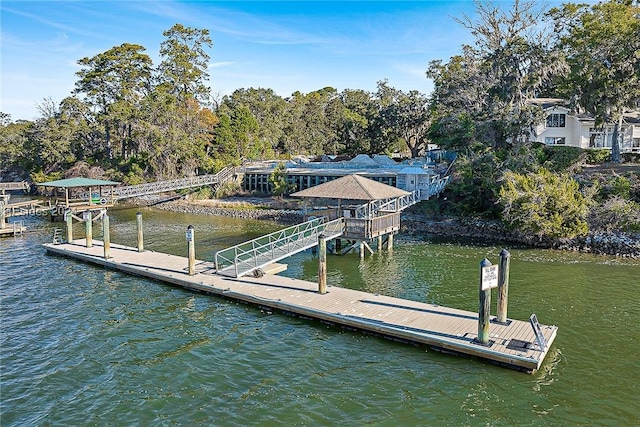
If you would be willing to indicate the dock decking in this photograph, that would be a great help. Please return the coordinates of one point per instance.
(442, 328)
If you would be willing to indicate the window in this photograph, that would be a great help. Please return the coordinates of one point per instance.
(554, 140)
(556, 120)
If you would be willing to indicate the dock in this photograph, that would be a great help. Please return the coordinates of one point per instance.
(514, 344)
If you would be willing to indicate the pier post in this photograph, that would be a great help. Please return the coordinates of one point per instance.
(338, 245)
(140, 235)
(106, 237)
(361, 250)
(191, 247)
(503, 286)
(390, 242)
(380, 243)
(68, 218)
(484, 306)
(88, 228)
(322, 264)
(2, 217)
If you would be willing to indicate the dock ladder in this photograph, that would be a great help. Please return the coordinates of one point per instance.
(252, 255)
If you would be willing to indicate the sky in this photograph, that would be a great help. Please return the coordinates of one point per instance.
(286, 46)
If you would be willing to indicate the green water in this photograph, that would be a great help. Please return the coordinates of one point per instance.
(81, 345)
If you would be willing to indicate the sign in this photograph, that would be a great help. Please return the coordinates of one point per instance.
(189, 234)
(489, 277)
(103, 201)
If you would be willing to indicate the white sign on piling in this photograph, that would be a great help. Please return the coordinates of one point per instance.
(189, 234)
(489, 277)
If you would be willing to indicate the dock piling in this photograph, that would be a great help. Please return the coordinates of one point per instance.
(106, 237)
(322, 264)
(503, 286)
(484, 306)
(191, 248)
(88, 228)
(68, 218)
(140, 235)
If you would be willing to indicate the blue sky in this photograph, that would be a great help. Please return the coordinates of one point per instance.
(285, 46)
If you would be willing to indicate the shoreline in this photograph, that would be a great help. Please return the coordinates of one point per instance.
(623, 245)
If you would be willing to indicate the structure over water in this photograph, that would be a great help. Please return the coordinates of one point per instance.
(427, 175)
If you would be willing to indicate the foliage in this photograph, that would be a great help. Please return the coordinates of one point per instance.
(544, 204)
(227, 189)
(596, 157)
(561, 159)
(602, 48)
(474, 189)
(616, 213)
(278, 181)
(481, 96)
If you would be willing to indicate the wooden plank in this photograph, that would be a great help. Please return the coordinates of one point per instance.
(442, 328)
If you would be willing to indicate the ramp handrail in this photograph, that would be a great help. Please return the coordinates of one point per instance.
(174, 184)
(398, 204)
(249, 256)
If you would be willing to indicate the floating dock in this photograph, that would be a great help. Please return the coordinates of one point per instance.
(512, 344)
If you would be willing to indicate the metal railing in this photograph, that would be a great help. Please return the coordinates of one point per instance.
(219, 178)
(254, 254)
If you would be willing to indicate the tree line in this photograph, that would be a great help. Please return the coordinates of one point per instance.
(138, 121)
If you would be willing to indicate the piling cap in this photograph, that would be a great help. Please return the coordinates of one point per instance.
(504, 253)
(190, 227)
(485, 263)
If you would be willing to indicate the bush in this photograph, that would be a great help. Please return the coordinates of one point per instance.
(596, 157)
(616, 214)
(544, 204)
(560, 159)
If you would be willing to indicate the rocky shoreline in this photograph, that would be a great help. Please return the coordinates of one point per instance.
(615, 244)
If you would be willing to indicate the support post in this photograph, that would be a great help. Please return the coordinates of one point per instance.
(88, 228)
(390, 242)
(361, 248)
(503, 286)
(106, 237)
(2, 217)
(191, 248)
(380, 243)
(322, 264)
(69, 220)
(484, 306)
(140, 235)
(338, 245)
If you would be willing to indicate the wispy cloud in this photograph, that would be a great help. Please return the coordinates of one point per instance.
(221, 64)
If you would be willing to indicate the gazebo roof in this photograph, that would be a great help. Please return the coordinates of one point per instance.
(78, 182)
(352, 187)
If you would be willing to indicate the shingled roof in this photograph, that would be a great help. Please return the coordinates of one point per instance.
(352, 187)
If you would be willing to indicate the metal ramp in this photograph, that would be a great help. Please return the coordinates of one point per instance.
(255, 254)
(219, 178)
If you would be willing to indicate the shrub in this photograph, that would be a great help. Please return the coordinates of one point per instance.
(616, 214)
(596, 157)
(544, 204)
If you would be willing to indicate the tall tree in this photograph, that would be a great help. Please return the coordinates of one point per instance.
(602, 45)
(113, 83)
(404, 115)
(485, 90)
(185, 61)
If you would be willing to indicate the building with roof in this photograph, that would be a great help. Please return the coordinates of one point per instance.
(567, 128)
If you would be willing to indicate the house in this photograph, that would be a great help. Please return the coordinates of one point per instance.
(564, 127)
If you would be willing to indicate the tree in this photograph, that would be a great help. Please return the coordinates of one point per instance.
(114, 82)
(403, 116)
(491, 82)
(183, 70)
(544, 204)
(602, 46)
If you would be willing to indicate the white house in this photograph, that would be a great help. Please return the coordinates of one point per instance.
(564, 127)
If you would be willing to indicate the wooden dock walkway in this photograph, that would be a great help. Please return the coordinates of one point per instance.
(441, 328)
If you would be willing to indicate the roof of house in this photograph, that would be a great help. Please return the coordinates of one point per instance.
(77, 182)
(352, 187)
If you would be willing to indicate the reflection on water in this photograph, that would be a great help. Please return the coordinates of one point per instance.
(81, 344)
